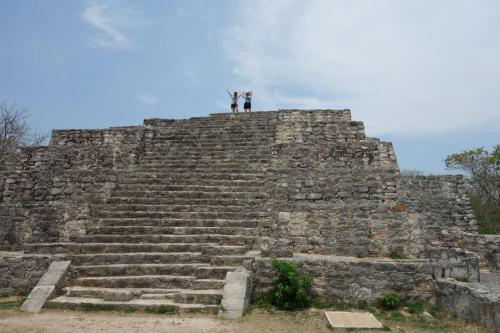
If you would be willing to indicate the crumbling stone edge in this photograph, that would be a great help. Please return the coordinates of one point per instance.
(237, 291)
(46, 287)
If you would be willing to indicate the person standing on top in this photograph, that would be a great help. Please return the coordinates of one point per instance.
(234, 100)
(248, 101)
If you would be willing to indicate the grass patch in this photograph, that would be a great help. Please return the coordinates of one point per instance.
(415, 308)
(24, 292)
(12, 304)
(162, 309)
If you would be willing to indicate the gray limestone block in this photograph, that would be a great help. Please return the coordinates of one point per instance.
(56, 272)
(116, 296)
(37, 298)
(237, 290)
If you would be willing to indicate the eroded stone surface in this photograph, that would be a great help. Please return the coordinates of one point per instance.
(236, 297)
(46, 287)
(343, 319)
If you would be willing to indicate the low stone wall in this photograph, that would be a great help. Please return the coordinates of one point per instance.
(487, 247)
(476, 302)
(355, 280)
(454, 263)
(439, 211)
(20, 272)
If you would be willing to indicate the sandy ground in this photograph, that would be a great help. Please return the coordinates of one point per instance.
(61, 321)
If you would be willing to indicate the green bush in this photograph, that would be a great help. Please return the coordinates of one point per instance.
(290, 291)
(487, 215)
(389, 300)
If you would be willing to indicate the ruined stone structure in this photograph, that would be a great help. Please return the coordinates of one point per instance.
(159, 213)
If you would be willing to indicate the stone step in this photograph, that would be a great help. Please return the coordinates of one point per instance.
(204, 164)
(243, 170)
(209, 145)
(169, 223)
(161, 203)
(236, 215)
(200, 271)
(150, 281)
(137, 258)
(209, 128)
(157, 231)
(211, 139)
(200, 177)
(171, 153)
(81, 248)
(163, 193)
(184, 296)
(157, 186)
(230, 260)
(215, 126)
(76, 302)
(166, 152)
(191, 184)
(178, 239)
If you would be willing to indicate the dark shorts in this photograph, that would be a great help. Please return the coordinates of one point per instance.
(247, 105)
(234, 106)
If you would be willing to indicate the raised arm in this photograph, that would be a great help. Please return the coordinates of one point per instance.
(230, 95)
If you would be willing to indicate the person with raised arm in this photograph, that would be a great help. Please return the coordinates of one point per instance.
(248, 100)
(234, 100)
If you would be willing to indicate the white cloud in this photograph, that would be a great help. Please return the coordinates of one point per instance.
(111, 22)
(407, 67)
(147, 99)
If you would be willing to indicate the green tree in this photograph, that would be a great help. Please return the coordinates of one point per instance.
(483, 171)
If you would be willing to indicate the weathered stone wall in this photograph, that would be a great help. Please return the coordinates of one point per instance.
(331, 189)
(487, 247)
(353, 280)
(479, 303)
(20, 272)
(438, 210)
(48, 194)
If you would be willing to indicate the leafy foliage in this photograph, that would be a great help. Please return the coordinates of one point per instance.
(487, 214)
(389, 300)
(290, 291)
(483, 169)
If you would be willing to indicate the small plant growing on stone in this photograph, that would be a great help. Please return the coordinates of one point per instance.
(463, 278)
(360, 254)
(396, 255)
(389, 300)
(291, 291)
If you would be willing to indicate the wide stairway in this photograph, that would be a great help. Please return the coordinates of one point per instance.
(188, 213)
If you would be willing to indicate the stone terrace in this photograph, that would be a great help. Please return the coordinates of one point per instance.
(158, 214)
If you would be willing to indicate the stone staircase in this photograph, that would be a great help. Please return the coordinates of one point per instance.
(172, 228)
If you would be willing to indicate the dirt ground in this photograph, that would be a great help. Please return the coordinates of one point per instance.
(70, 321)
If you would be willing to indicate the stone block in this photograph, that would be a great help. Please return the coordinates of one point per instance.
(237, 290)
(344, 319)
(37, 298)
(116, 296)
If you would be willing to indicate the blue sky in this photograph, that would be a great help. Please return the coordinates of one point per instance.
(423, 74)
